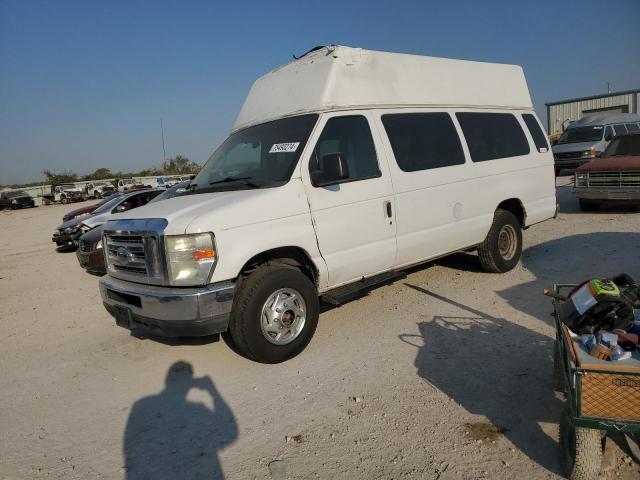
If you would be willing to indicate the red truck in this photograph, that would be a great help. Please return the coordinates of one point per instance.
(614, 177)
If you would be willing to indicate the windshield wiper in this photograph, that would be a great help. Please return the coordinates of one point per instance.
(243, 180)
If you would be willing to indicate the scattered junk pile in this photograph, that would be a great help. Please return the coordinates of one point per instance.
(597, 366)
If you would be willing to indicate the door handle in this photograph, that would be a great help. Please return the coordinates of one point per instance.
(387, 208)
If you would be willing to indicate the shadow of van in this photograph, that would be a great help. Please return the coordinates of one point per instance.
(495, 369)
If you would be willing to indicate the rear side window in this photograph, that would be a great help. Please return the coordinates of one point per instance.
(632, 127)
(351, 137)
(422, 141)
(492, 135)
(539, 138)
(619, 129)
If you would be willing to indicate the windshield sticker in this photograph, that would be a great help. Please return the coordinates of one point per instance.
(284, 147)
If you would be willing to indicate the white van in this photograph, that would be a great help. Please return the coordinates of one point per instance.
(344, 166)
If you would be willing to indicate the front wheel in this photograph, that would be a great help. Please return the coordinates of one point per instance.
(64, 200)
(580, 450)
(275, 314)
(502, 247)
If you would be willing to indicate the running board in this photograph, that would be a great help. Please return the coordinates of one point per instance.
(349, 292)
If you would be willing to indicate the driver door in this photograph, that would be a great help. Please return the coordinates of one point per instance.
(353, 217)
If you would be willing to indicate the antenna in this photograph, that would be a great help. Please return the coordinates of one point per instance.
(164, 153)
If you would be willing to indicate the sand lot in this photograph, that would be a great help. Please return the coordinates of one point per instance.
(445, 374)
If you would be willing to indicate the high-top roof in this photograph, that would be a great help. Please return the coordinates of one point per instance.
(605, 119)
(337, 77)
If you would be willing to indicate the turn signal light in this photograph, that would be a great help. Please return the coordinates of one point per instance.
(204, 254)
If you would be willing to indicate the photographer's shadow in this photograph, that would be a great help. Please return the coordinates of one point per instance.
(170, 437)
(495, 369)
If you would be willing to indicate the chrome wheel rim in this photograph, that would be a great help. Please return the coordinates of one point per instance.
(507, 242)
(283, 316)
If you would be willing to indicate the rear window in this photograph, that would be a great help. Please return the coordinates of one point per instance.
(423, 141)
(539, 138)
(491, 136)
(619, 129)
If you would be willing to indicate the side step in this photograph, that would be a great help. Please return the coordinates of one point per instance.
(349, 292)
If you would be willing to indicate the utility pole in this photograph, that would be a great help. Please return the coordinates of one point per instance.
(608, 87)
(164, 153)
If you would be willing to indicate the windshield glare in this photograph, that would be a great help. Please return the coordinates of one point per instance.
(626, 145)
(105, 207)
(581, 134)
(257, 157)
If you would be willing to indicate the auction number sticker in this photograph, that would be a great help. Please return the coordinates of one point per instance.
(284, 147)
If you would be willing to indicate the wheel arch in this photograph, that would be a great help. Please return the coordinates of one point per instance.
(289, 255)
(515, 206)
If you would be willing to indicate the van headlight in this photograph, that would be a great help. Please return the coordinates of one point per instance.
(190, 258)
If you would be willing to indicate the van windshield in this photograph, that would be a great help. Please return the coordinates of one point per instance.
(262, 156)
(581, 134)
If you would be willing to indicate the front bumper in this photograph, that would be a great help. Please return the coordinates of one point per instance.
(168, 311)
(92, 261)
(66, 239)
(614, 195)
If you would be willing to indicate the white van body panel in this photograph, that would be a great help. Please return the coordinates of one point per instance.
(244, 223)
(337, 77)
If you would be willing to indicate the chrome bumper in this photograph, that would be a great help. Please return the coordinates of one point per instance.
(169, 311)
(604, 194)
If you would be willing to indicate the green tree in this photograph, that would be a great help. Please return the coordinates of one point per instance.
(179, 165)
(56, 178)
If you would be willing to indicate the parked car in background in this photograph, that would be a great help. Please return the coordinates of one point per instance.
(99, 189)
(79, 212)
(126, 184)
(315, 193)
(90, 252)
(587, 138)
(16, 199)
(64, 193)
(68, 234)
(614, 177)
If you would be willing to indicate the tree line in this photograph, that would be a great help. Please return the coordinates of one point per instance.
(178, 165)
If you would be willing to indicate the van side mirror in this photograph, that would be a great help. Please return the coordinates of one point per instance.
(333, 168)
(608, 137)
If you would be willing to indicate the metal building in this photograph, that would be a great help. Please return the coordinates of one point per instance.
(562, 113)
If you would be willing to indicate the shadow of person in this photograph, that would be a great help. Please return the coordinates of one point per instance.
(495, 369)
(170, 437)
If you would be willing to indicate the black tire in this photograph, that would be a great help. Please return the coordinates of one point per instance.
(494, 259)
(64, 200)
(588, 206)
(558, 371)
(580, 450)
(245, 322)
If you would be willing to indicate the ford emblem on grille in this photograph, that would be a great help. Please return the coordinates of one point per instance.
(124, 254)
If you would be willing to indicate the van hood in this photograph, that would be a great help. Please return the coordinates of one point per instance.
(573, 147)
(612, 164)
(216, 211)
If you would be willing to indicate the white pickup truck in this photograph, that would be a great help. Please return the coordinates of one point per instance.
(344, 167)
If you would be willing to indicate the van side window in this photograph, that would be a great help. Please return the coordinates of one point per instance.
(539, 138)
(492, 135)
(349, 136)
(631, 127)
(619, 129)
(422, 141)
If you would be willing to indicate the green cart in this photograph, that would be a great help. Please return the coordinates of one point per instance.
(602, 397)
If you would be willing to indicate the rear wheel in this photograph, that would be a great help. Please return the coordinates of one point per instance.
(558, 373)
(64, 200)
(501, 250)
(580, 450)
(275, 314)
(588, 205)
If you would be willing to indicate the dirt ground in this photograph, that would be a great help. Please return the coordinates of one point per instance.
(445, 374)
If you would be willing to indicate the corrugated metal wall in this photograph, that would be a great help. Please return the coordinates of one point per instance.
(564, 113)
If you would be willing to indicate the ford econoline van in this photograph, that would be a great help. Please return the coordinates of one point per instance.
(587, 138)
(344, 167)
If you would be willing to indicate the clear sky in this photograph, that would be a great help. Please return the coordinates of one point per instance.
(83, 84)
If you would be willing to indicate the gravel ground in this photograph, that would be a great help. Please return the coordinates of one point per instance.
(445, 374)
